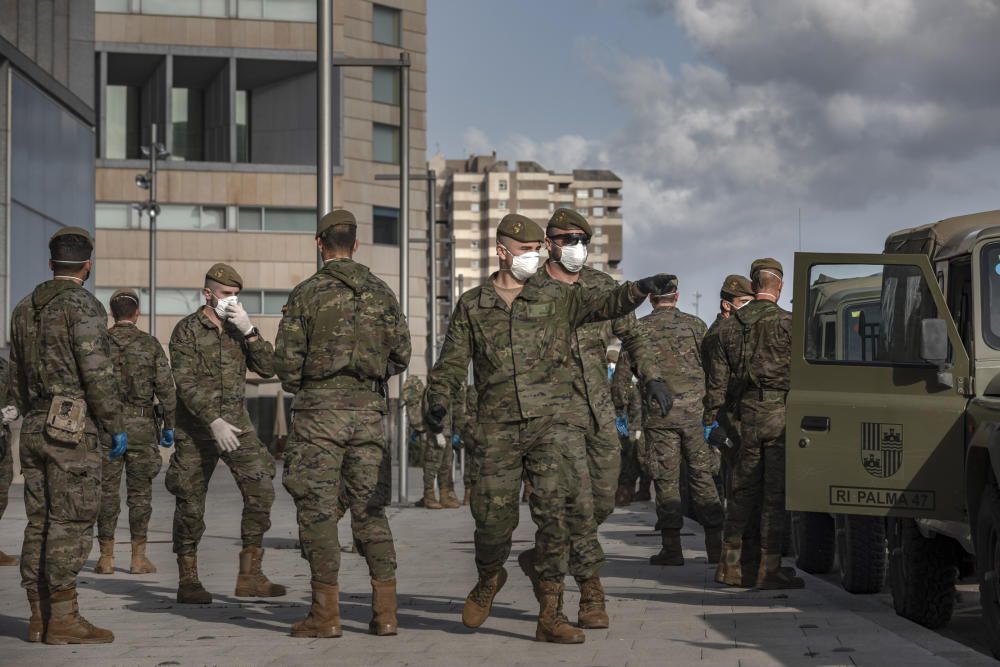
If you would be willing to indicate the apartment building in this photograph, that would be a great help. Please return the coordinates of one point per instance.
(231, 87)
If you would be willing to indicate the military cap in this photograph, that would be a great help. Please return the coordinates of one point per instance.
(567, 218)
(339, 216)
(225, 275)
(766, 264)
(520, 228)
(736, 286)
(127, 292)
(72, 231)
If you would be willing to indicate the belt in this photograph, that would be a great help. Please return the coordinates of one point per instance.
(765, 393)
(344, 382)
(139, 410)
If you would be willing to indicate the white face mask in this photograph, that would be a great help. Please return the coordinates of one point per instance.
(573, 257)
(223, 303)
(524, 266)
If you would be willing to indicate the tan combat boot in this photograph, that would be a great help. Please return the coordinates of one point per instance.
(6, 559)
(480, 599)
(552, 625)
(593, 614)
(671, 552)
(750, 562)
(40, 614)
(140, 564)
(384, 608)
(106, 563)
(430, 502)
(67, 626)
(467, 496)
(189, 588)
(623, 496)
(729, 571)
(449, 500)
(251, 582)
(324, 614)
(713, 545)
(526, 560)
(772, 576)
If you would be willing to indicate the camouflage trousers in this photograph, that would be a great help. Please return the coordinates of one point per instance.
(62, 493)
(631, 471)
(469, 472)
(333, 457)
(553, 457)
(671, 442)
(141, 463)
(603, 461)
(758, 476)
(438, 462)
(190, 470)
(6, 475)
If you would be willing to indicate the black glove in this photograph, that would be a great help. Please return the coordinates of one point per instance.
(3, 446)
(719, 439)
(435, 418)
(657, 392)
(655, 284)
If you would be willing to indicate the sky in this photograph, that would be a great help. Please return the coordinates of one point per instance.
(730, 119)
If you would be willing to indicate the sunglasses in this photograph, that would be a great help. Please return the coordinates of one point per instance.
(563, 240)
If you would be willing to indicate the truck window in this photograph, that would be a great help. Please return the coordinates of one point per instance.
(990, 270)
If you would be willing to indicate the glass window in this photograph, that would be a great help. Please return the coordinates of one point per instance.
(185, 7)
(474, 244)
(290, 220)
(502, 185)
(112, 6)
(183, 217)
(552, 188)
(598, 266)
(502, 204)
(385, 143)
(583, 211)
(582, 194)
(112, 216)
(121, 122)
(597, 193)
(598, 212)
(251, 300)
(474, 207)
(277, 10)
(385, 85)
(598, 230)
(187, 107)
(274, 300)
(250, 219)
(990, 270)
(474, 187)
(386, 25)
(385, 221)
(552, 207)
(474, 264)
(243, 126)
(169, 300)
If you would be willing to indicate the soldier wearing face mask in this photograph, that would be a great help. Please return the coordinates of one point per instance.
(210, 351)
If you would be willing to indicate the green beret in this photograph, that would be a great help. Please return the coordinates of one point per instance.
(127, 292)
(567, 218)
(338, 216)
(520, 228)
(735, 286)
(72, 231)
(225, 275)
(768, 264)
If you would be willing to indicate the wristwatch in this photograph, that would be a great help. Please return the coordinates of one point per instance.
(253, 332)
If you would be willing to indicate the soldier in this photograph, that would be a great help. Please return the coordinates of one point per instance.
(756, 344)
(143, 375)
(66, 387)
(517, 330)
(210, 351)
(9, 414)
(342, 336)
(628, 403)
(444, 454)
(677, 439)
(421, 442)
(468, 443)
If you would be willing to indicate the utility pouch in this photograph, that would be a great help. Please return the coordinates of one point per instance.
(67, 420)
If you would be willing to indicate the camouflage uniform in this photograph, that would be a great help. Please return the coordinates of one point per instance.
(628, 401)
(413, 400)
(7, 461)
(143, 373)
(342, 336)
(210, 369)
(439, 457)
(678, 438)
(60, 346)
(469, 474)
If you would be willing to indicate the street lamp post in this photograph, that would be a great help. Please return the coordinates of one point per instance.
(155, 151)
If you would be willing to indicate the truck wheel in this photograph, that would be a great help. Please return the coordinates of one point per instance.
(987, 537)
(813, 541)
(922, 574)
(861, 552)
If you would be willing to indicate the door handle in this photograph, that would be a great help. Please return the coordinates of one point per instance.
(815, 423)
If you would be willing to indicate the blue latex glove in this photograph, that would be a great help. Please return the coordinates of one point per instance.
(709, 429)
(621, 423)
(167, 438)
(120, 444)
(413, 437)
(456, 441)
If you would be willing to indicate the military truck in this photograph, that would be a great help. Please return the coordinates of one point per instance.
(908, 435)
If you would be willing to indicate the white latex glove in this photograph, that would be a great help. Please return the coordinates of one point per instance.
(9, 413)
(236, 314)
(226, 435)
(636, 434)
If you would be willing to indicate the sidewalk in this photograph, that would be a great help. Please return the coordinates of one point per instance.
(659, 616)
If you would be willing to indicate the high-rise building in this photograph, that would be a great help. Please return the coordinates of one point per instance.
(475, 193)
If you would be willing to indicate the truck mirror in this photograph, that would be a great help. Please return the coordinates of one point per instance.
(934, 341)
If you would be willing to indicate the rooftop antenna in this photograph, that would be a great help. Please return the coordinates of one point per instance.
(697, 303)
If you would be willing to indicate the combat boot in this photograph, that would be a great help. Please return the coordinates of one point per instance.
(750, 562)
(623, 496)
(430, 502)
(480, 600)
(593, 614)
(772, 576)
(713, 545)
(526, 560)
(40, 613)
(384, 608)
(552, 625)
(6, 559)
(323, 619)
(140, 564)
(449, 500)
(106, 563)
(643, 495)
(671, 552)
(729, 571)
(251, 582)
(67, 626)
(189, 588)
(467, 496)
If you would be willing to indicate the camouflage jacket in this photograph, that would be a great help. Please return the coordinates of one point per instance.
(343, 335)
(454, 422)
(469, 422)
(60, 346)
(676, 339)
(753, 355)
(5, 393)
(143, 371)
(625, 393)
(719, 377)
(523, 355)
(413, 399)
(210, 369)
(590, 348)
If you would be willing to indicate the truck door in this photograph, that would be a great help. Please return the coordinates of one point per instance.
(872, 428)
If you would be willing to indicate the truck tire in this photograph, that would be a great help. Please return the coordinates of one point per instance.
(813, 541)
(922, 574)
(987, 540)
(861, 552)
